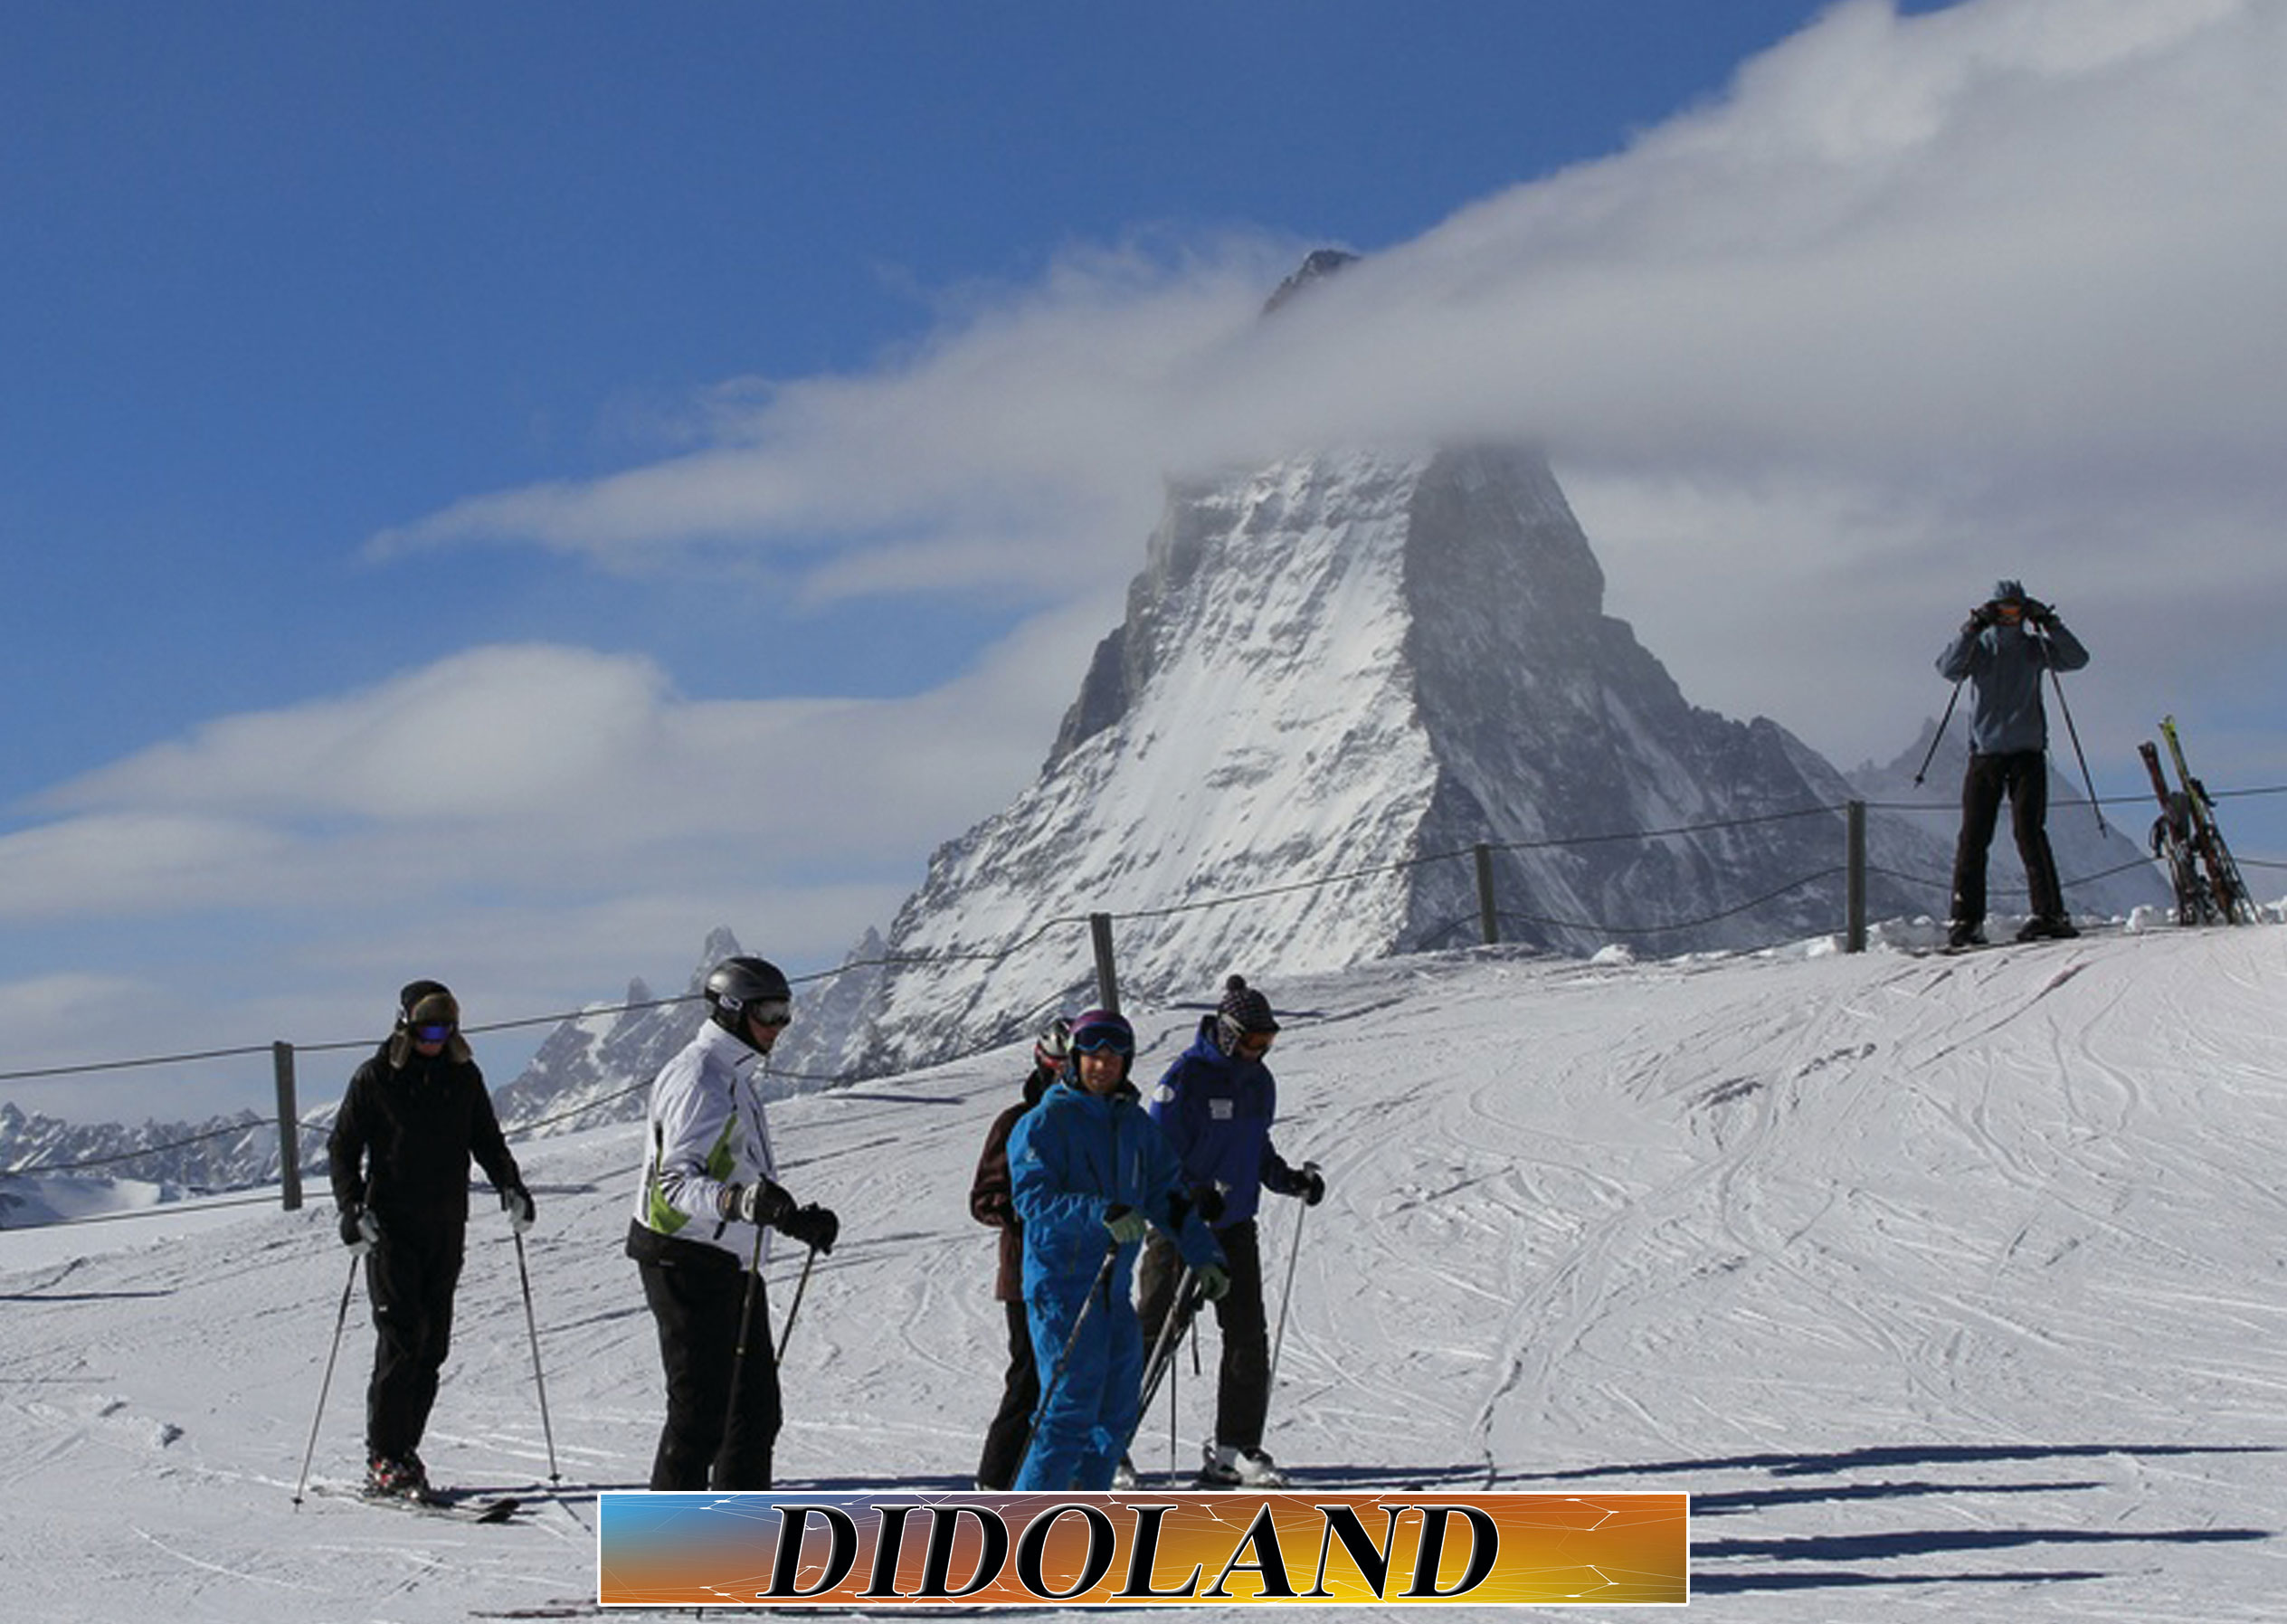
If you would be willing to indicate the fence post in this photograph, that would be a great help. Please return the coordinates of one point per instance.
(290, 1136)
(1489, 919)
(1855, 876)
(1107, 978)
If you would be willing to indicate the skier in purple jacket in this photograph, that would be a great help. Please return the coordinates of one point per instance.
(1216, 1104)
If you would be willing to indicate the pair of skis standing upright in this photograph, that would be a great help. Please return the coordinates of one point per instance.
(2186, 839)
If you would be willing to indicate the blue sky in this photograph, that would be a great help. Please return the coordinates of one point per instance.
(496, 492)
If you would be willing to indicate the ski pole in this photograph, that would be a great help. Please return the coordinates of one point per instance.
(1100, 1287)
(1182, 1310)
(745, 1326)
(800, 1286)
(1294, 1254)
(2073, 733)
(341, 1318)
(1931, 752)
(539, 1383)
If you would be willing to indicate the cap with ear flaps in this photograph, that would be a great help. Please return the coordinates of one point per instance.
(427, 1004)
(435, 1007)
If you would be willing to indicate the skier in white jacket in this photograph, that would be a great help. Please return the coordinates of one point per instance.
(709, 1195)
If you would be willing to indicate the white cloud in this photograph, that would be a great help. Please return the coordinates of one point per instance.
(535, 824)
(1033, 417)
(514, 772)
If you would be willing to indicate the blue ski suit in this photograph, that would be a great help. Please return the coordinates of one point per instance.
(1072, 1159)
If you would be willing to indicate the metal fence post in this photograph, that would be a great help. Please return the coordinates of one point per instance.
(290, 1136)
(1489, 919)
(1855, 876)
(1107, 978)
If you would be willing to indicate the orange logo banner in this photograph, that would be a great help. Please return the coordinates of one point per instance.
(884, 1549)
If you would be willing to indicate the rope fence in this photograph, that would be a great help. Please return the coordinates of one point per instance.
(1488, 920)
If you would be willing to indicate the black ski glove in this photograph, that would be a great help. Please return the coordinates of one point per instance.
(760, 1203)
(2037, 614)
(360, 1230)
(1303, 1182)
(516, 1201)
(1984, 615)
(814, 1226)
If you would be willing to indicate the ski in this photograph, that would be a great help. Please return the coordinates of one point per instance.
(1941, 951)
(468, 1509)
(2232, 898)
(438, 1503)
(2172, 844)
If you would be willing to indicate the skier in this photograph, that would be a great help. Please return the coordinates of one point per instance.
(991, 1201)
(708, 1193)
(1090, 1172)
(2002, 650)
(1217, 1104)
(415, 1112)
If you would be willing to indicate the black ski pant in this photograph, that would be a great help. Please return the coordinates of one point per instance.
(410, 1275)
(698, 1297)
(1242, 1384)
(2023, 775)
(1011, 1424)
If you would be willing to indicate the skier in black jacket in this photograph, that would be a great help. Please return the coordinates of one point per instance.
(414, 1114)
(993, 1201)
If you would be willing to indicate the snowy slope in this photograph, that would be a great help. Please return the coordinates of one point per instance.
(1949, 1288)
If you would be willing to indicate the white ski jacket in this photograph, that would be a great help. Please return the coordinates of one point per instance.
(705, 1129)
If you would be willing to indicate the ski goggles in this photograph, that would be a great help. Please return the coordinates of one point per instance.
(771, 1012)
(432, 1032)
(1253, 1046)
(1096, 1039)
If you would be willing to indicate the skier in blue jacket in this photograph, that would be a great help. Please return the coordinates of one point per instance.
(1217, 1102)
(1089, 1171)
(2002, 651)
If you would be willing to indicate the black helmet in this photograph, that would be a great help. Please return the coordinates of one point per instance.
(735, 985)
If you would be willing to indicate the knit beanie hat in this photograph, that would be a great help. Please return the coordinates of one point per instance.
(1242, 1010)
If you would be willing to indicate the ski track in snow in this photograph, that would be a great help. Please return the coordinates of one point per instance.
(1949, 1288)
